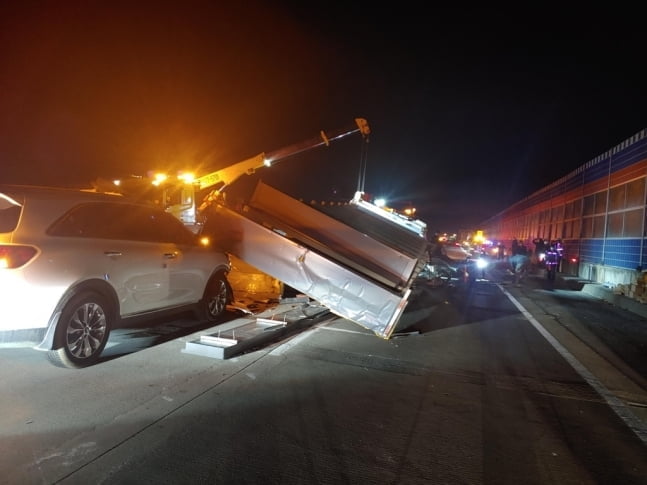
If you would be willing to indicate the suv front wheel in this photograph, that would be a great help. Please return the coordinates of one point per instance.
(82, 331)
(213, 305)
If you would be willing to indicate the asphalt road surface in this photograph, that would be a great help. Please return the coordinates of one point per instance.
(488, 383)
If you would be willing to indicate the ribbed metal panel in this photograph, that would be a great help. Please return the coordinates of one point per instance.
(365, 242)
(378, 228)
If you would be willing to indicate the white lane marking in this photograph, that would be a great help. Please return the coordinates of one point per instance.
(616, 404)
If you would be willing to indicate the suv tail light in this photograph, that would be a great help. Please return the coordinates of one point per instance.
(12, 257)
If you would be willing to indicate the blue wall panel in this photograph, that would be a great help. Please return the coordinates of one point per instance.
(622, 253)
(630, 155)
(597, 171)
(571, 247)
(591, 251)
(572, 183)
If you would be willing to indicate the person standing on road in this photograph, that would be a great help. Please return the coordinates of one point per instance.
(520, 266)
(540, 249)
(500, 250)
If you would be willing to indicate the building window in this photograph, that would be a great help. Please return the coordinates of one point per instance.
(598, 226)
(617, 198)
(568, 212)
(636, 193)
(614, 224)
(601, 202)
(576, 228)
(633, 223)
(587, 227)
(589, 205)
(568, 229)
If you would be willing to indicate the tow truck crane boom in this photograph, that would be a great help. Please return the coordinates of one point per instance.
(231, 173)
(178, 194)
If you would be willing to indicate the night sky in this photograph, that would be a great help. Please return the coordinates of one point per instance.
(470, 109)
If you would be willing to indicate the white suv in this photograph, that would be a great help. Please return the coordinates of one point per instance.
(75, 264)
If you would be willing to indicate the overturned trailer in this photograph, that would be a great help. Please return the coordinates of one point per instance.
(358, 260)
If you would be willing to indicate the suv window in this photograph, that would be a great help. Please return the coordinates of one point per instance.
(9, 217)
(9, 213)
(103, 220)
(149, 224)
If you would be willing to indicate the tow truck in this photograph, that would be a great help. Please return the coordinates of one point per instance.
(356, 259)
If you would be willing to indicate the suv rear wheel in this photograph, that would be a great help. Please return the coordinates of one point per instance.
(82, 331)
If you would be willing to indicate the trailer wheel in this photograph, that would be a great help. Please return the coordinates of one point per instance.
(82, 331)
(213, 305)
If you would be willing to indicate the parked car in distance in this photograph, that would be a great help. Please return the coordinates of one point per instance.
(76, 264)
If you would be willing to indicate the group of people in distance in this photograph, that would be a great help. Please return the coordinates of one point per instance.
(520, 255)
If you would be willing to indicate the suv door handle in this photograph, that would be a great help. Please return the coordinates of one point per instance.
(170, 255)
(112, 253)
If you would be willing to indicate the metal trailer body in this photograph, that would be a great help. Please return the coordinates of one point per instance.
(355, 276)
(330, 236)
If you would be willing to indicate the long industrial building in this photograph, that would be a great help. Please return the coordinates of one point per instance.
(597, 210)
